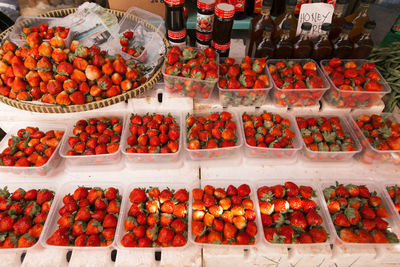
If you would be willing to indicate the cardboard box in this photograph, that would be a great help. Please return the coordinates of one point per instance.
(154, 6)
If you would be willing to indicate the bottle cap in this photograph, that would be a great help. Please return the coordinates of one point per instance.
(306, 26)
(267, 3)
(326, 27)
(347, 26)
(291, 2)
(341, 2)
(268, 28)
(206, 4)
(286, 26)
(224, 10)
(370, 25)
(174, 2)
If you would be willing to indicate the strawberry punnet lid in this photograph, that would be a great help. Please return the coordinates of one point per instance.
(206, 4)
(224, 10)
(174, 2)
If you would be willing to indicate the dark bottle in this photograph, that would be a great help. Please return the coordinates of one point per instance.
(284, 44)
(289, 17)
(303, 45)
(363, 43)
(240, 8)
(322, 48)
(222, 28)
(343, 46)
(204, 22)
(175, 22)
(359, 18)
(250, 7)
(266, 47)
(278, 7)
(337, 19)
(256, 26)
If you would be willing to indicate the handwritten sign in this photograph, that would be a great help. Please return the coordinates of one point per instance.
(316, 14)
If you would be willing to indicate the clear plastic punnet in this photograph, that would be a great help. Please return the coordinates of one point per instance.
(25, 21)
(354, 99)
(369, 154)
(303, 97)
(245, 97)
(51, 164)
(274, 154)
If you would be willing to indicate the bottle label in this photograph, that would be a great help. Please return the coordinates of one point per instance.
(257, 6)
(174, 2)
(239, 5)
(172, 35)
(204, 37)
(204, 23)
(180, 44)
(221, 47)
(199, 45)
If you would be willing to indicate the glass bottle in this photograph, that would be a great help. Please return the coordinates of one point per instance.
(240, 8)
(265, 47)
(363, 43)
(222, 28)
(175, 22)
(284, 44)
(337, 19)
(359, 18)
(343, 46)
(278, 7)
(322, 48)
(204, 22)
(287, 16)
(303, 45)
(256, 26)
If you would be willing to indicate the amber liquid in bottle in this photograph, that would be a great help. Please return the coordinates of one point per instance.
(265, 48)
(343, 46)
(256, 29)
(303, 46)
(359, 18)
(337, 22)
(284, 46)
(322, 47)
(278, 7)
(363, 46)
(287, 16)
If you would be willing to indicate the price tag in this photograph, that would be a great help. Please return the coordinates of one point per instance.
(316, 14)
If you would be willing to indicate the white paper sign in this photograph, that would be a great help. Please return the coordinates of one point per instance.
(316, 14)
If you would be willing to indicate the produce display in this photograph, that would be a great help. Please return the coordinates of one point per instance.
(394, 193)
(358, 214)
(289, 214)
(31, 147)
(357, 84)
(23, 215)
(243, 82)
(325, 134)
(156, 218)
(380, 136)
(153, 133)
(224, 217)
(51, 73)
(127, 41)
(190, 71)
(95, 136)
(297, 83)
(45, 32)
(88, 218)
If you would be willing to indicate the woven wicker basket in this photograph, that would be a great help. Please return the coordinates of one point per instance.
(93, 105)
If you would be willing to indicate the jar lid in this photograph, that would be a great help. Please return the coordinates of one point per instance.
(174, 2)
(224, 10)
(206, 4)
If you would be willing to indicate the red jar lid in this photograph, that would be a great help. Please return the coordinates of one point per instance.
(206, 4)
(225, 11)
(174, 2)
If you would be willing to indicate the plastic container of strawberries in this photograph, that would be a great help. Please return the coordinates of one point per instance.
(316, 199)
(88, 160)
(369, 154)
(64, 190)
(224, 184)
(391, 201)
(217, 153)
(151, 159)
(27, 21)
(340, 156)
(28, 186)
(133, 20)
(275, 154)
(372, 186)
(126, 206)
(298, 97)
(53, 162)
(189, 87)
(245, 97)
(354, 99)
